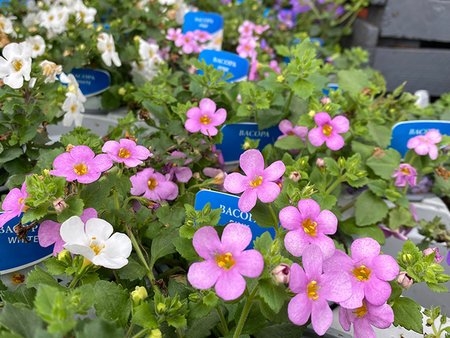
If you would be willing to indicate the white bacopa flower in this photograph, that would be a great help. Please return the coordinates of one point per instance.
(84, 14)
(147, 50)
(73, 108)
(106, 46)
(31, 19)
(6, 25)
(37, 45)
(72, 86)
(167, 2)
(54, 20)
(50, 70)
(94, 242)
(15, 65)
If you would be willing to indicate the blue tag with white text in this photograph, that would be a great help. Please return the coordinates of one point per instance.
(230, 211)
(330, 86)
(403, 131)
(15, 253)
(234, 136)
(227, 62)
(92, 81)
(208, 22)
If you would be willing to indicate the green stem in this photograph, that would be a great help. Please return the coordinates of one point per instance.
(334, 185)
(288, 103)
(245, 312)
(274, 217)
(140, 333)
(224, 330)
(141, 256)
(201, 185)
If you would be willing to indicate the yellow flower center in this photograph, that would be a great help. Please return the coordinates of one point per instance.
(256, 182)
(225, 261)
(17, 65)
(362, 273)
(73, 108)
(312, 290)
(80, 169)
(21, 200)
(95, 246)
(310, 227)
(205, 119)
(152, 183)
(361, 311)
(327, 129)
(36, 47)
(405, 171)
(124, 153)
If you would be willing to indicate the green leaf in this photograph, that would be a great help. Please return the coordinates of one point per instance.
(353, 81)
(10, 154)
(407, 313)
(202, 327)
(162, 246)
(20, 320)
(132, 271)
(75, 207)
(378, 187)
(332, 166)
(400, 216)
(261, 215)
(349, 227)
(369, 209)
(437, 287)
(112, 302)
(303, 89)
(273, 295)
(384, 164)
(100, 328)
(39, 276)
(267, 118)
(185, 248)
(170, 216)
(263, 243)
(143, 316)
(380, 134)
(289, 142)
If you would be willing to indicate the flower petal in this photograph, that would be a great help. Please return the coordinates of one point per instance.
(247, 200)
(297, 279)
(362, 328)
(295, 242)
(250, 263)
(11, 201)
(206, 242)
(72, 231)
(252, 163)
(274, 171)
(312, 262)
(290, 218)
(385, 267)
(335, 142)
(235, 183)
(325, 244)
(356, 299)
(88, 214)
(335, 286)
(322, 118)
(235, 238)
(376, 291)
(192, 125)
(327, 222)
(268, 192)
(309, 209)
(340, 124)
(48, 233)
(381, 316)
(344, 319)
(203, 275)
(321, 316)
(109, 262)
(102, 162)
(118, 245)
(285, 126)
(207, 106)
(99, 229)
(316, 137)
(364, 248)
(82, 153)
(230, 285)
(299, 309)
(219, 117)
(82, 250)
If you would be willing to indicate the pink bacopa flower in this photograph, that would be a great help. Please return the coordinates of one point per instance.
(14, 204)
(426, 144)
(406, 174)
(127, 152)
(287, 128)
(246, 29)
(182, 174)
(257, 181)
(187, 43)
(173, 34)
(49, 231)
(246, 48)
(437, 255)
(225, 261)
(307, 225)
(80, 164)
(328, 131)
(259, 29)
(273, 64)
(314, 289)
(205, 118)
(201, 36)
(364, 317)
(369, 272)
(153, 185)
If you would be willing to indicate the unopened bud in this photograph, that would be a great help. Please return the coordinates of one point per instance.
(161, 307)
(341, 162)
(122, 91)
(295, 176)
(139, 294)
(280, 78)
(312, 113)
(63, 255)
(219, 178)
(404, 280)
(59, 204)
(246, 145)
(282, 273)
(320, 162)
(69, 147)
(407, 258)
(155, 333)
(325, 100)
(437, 258)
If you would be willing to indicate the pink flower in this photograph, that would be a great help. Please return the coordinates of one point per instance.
(80, 164)
(308, 225)
(127, 152)
(258, 182)
(366, 316)
(173, 34)
(273, 64)
(14, 204)
(182, 174)
(225, 261)
(205, 118)
(426, 144)
(405, 174)
(187, 42)
(49, 233)
(253, 72)
(314, 289)
(287, 128)
(328, 131)
(153, 185)
(201, 36)
(246, 29)
(437, 255)
(369, 271)
(259, 29)
(246, 48)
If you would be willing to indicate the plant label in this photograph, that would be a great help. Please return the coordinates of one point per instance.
(231, 64)
(211, 23)
(92, 81)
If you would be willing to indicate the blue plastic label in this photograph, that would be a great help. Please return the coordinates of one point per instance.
(330, 86)
(403, 131)
(227, 62)
(230, 211)
(16, 254)
(208, 22)
(92, 81)
(234, 136)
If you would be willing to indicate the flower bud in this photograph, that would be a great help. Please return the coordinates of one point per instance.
(312, 113)
(219, 178)
(295, 176)
(69, 147)
(404, 280)
(122, 91)
(407, 258)
(320, 163)
(282, 273)
(437, 258)
(59, 204)
(63, 255)
(139, 294)
(161, 307)
(325, 100)
(280, 78)
(155, 333)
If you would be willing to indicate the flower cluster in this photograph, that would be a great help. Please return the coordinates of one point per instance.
(107, 49)
(74, 103)
(149, 62)
(189, 42)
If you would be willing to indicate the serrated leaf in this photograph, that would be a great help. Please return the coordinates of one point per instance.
(132, 271)
(162, 246)
(112, 302)
(289, 143)
(39, 277)
(273, 295)
(380, 134)
(384, 164)
(407, 313)
(20, 320)
(143, 316)
(100, 328)
(369, 209)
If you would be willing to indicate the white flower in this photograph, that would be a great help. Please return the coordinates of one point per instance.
(95, 243)
(37, 45)
(54, 20)
(31, 19)
(147, 50)
(84, 14)
(6, 25)
(73, 108)
(167, 2)
(106, 46)
(72, 86)
(15, 65)
(50, 70)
